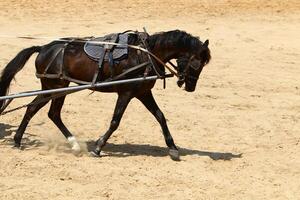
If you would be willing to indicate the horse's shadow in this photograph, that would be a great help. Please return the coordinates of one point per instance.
(125, 150)
(6, 138)
(114, 150)
(6, 130)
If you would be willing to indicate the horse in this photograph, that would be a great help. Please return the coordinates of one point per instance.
(191, 53)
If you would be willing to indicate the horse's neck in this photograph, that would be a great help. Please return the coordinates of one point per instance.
(166, 54)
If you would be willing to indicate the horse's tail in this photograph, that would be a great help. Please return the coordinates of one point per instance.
(13, 67)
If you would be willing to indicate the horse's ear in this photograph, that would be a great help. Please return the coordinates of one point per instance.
(206, 43)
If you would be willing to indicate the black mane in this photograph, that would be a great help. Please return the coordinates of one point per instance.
(180, 39)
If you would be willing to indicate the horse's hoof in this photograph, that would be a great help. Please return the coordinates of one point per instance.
(17, 146)
(73, 142)
(95, 153)
(76, 148)
(174, 154)
(76, 152)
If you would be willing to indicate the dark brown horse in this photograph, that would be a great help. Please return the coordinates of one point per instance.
(190, 52)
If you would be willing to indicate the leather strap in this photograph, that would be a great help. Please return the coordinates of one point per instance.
(111, 63)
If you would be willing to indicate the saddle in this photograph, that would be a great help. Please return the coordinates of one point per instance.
(98, 52)
(107, 52)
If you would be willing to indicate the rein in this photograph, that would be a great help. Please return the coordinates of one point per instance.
(63, 76)
(83, 40)
(121, 45)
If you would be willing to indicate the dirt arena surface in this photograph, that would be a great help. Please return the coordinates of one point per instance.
(247, 102)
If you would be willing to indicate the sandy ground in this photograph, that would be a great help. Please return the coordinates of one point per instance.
(247, 102)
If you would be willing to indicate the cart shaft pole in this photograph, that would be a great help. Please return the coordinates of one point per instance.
(78, 87)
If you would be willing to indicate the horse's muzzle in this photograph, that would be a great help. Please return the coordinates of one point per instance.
(189, 89)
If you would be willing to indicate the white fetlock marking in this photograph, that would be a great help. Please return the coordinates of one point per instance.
(73, 142)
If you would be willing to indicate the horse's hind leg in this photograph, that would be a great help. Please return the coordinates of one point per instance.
(32, 109)
(55, 115)
(149, 102)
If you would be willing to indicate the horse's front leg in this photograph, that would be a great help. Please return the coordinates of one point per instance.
(149, 102)
(55, 115)
(122, 102)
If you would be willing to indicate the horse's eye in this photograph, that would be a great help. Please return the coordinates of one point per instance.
(195, 67)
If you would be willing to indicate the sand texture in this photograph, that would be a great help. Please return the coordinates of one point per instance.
(247, 102)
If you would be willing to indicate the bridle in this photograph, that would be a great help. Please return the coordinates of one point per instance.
(183, 75)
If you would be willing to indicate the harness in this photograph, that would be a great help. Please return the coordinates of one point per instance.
(109, 44)
(182, 71)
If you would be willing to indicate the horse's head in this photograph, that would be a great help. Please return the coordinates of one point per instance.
(190, 66)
